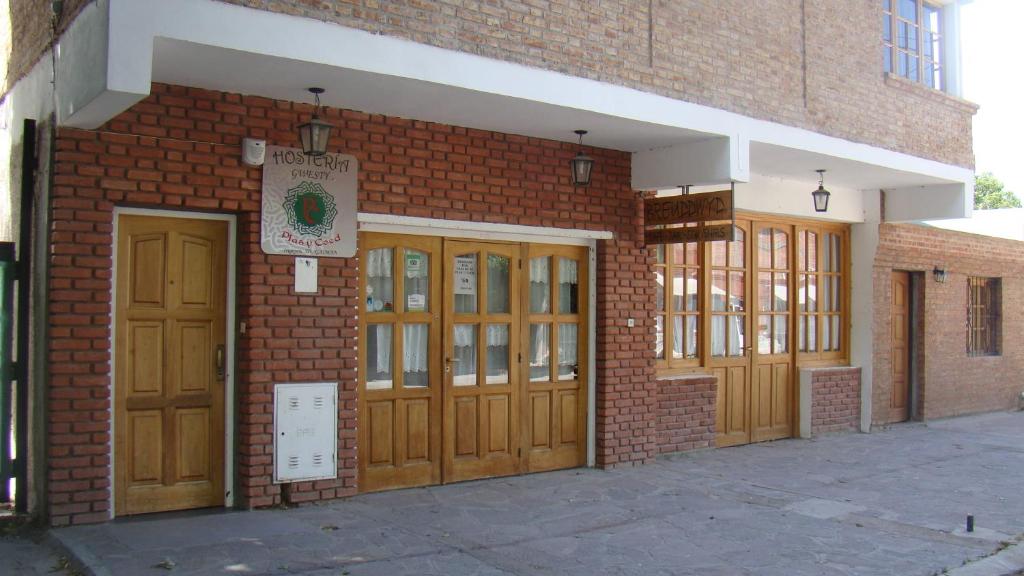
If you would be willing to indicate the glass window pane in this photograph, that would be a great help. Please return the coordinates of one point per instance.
(780, 341)
(692, 283)
(836, 254)
(540, 285)
(812, 333)
(659, 337)
(801, 329)
(417, 281)
(497, 354)
(812, 251)
(764, 334)
(568, 286)
(540, 352)
(887, 5)
(912, 39)
(908, 10)
(677, 337)
(812, 293)
(902, 63)
(764, 291)
(835, 295)
(679, 254)
(737, 292)
(737, 248)
(781, 292)
(567, 351)
(718, 336)
(678, 290)
(828, 294)
(464, 355)
(415, 355)
(887, 58)
(929, 45)
(801, 292)
(465, 284)
(764, 248)
(781, 250)
(379, 282)
(801, 250)
(835, 333)
(887, 28)
(912, 64)
(659, 253)
(736, 335)
(718, 294)
(497, 284)
(901, 38)
(692, 254)
(691, 336)
(378, 356)
(718, 249)
(826, 340)
(659, 289)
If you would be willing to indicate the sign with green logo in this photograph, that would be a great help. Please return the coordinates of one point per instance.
(309, 204)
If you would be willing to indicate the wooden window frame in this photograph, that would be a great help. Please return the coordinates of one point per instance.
(668, 267)
(936, 64)
(667, 366)
(840, 275)
(984, 316)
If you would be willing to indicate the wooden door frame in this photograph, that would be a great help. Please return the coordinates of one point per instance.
(229, 333)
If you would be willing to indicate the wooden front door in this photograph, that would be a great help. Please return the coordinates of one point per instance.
(400, 362)
(555, 346)
(729, 338)
(482, 328)
(772, 385)
(170, 322)
(899, 399)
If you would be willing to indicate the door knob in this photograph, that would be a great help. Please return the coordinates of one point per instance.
(219, 361)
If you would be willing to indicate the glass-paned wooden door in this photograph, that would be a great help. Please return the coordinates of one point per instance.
(771, 377)
(481, 335)
(400, 362)
(728, 339)
(554, 430)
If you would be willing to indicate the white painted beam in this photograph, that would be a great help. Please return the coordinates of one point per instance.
(936, 202)
(712, 161)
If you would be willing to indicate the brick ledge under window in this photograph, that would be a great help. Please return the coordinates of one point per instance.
(937, 96)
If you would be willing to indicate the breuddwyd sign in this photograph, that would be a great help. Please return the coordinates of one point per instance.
(309, 204)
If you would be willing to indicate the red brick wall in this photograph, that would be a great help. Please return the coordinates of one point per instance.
(950, 382)
(815, 65)
(179, 149)
(835, 400)
(686, 413)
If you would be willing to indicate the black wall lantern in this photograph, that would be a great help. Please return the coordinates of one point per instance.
(582, 165)
(939, 274)
(315, 133)
(821, 195)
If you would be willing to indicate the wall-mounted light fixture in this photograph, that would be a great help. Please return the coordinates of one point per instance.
(315, 133)
(821, 195)
(581, 165)
(939, 274)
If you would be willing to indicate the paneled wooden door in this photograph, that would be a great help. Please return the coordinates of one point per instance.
(555, 345)
(481, 373)
(899, 399)
(772, 355)
(170, 323)
(400, 380)
(728, 297)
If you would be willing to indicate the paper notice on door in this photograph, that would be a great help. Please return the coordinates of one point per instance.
(465, 275)
(416, 303)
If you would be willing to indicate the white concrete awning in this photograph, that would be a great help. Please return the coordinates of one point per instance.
(116, 48)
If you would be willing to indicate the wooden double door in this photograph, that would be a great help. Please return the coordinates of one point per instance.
(471, 359)
(750, 340)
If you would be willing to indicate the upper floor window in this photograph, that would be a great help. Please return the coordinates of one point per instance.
(983, 316)
(912, 37)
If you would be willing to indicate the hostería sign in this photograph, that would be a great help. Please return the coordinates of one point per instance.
(309, 204)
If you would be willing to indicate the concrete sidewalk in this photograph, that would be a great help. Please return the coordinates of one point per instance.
(893, 502)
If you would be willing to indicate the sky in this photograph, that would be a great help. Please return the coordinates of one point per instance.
(993, 78)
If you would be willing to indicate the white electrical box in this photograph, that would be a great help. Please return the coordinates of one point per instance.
(305, 431)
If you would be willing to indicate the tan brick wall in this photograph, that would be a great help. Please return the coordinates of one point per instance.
(835, 400)
(816, 65)
(31, 31)
(951, 383)
(179, 149)
(686, 413)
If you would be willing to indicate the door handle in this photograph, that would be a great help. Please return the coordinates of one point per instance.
(219, 361)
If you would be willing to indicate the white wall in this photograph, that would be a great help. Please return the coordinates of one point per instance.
(864, 245)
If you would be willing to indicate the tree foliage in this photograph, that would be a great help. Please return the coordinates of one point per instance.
(989, 193)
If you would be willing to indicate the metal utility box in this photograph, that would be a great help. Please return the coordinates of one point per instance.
(305, 431)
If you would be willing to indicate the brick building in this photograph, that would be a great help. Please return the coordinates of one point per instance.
(493, 318)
